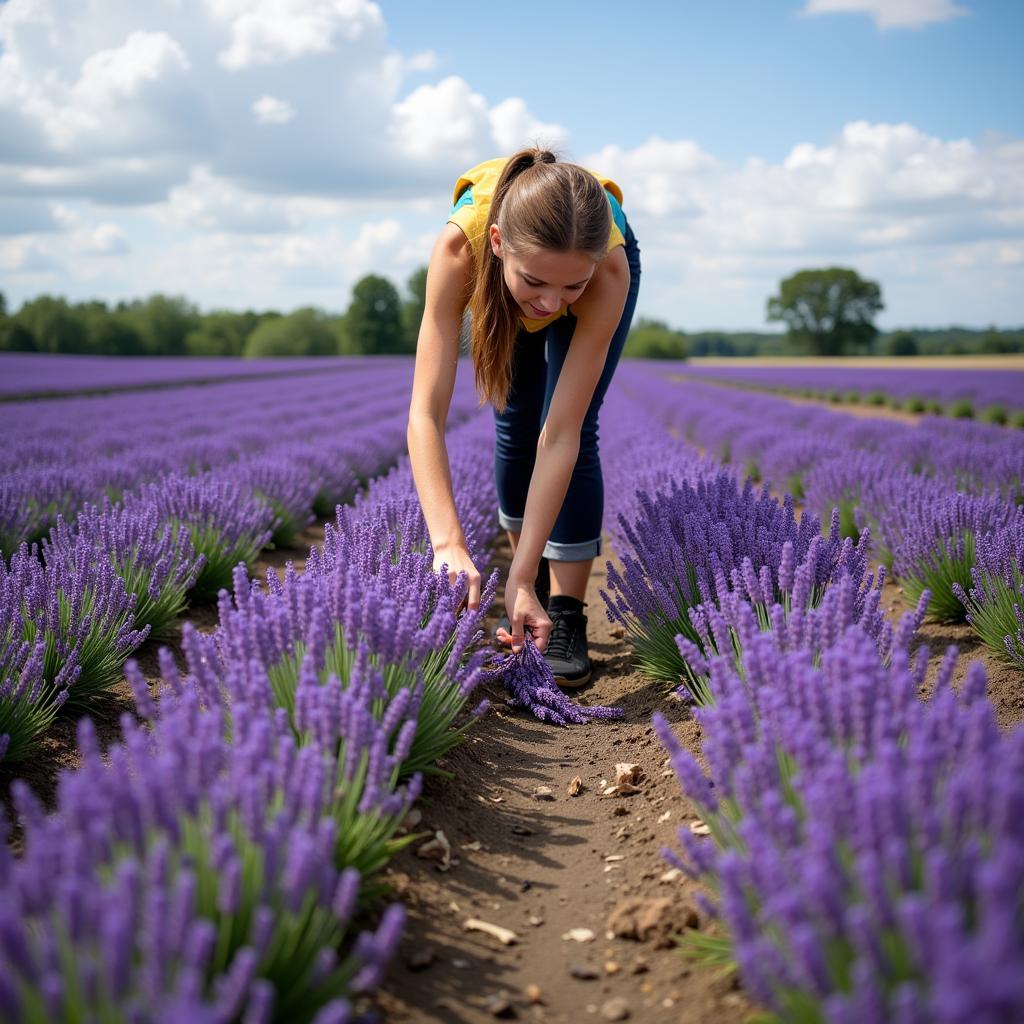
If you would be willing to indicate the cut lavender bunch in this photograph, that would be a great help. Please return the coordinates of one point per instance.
(228, 524)
(530, 684)
(157, 563)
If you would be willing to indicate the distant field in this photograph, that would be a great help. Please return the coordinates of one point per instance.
(1007, 362)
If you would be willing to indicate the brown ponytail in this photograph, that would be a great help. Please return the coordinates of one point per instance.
(537, 204)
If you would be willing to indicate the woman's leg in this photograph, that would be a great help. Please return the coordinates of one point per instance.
(576, 536)
(517, 430)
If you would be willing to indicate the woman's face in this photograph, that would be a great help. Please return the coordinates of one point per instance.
(543, 281)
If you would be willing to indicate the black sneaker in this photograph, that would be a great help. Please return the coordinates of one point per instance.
(566, 652)
(543, 586)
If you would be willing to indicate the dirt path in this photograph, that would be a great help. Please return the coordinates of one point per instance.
(543, 867)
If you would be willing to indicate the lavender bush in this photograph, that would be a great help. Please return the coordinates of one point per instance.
(866, 847)
(81, 613)
(994, 602)
(693, 544)
(157, 563)
(935, 547)
(227, 523)
(188, 879)
(730, 627)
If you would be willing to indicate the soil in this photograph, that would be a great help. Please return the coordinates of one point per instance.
(543, 867)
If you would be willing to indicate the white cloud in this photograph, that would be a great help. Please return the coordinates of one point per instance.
(118, 102)
(891, 13)
(108, 239)
(513, 127)
(274, 31)
(272, 110)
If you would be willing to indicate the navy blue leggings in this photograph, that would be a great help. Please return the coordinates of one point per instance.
(537, 362)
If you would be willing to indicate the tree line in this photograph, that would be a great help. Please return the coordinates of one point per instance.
(378, 321)
(826, 311)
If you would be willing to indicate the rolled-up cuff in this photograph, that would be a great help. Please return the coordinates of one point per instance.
(572, 552)
(509, 523)
(553, 551)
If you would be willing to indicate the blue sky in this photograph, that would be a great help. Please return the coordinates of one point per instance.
(740, 77)
(268, 153)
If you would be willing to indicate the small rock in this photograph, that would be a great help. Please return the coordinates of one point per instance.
(535, 920)
(575, 786)
(525, 885)
(584, 972)
(615, 1009)
(578, 935)
(522, 830)
(533, 995)
(500, 1006)
(543, 793)
(621, 811)
(640, 966)
(612, 967)
(654, 920)
(421, 959)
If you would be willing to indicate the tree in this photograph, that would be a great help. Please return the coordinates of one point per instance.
(829, 311)
(654, 339)
(163, 323)
(373, 322)
(302, 333)
(412, 308)
(221, 333)
(53, 325)
(902, 343)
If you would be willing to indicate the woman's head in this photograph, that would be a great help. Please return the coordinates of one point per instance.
(549, 225)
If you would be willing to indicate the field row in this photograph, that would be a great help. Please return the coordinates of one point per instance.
(993, 396)
(841, 816)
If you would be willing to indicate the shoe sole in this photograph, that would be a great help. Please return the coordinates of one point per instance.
(573, 684)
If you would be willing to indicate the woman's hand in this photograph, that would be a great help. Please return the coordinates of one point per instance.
(458, 560)
(524, 609)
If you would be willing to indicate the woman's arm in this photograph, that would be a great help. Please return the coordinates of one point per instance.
(598, 311)
(449, 284)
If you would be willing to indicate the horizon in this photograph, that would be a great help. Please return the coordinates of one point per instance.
(278, 154)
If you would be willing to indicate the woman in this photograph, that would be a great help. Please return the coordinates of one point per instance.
(549, 268)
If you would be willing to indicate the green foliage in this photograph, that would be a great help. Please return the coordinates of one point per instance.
(876, 398)
(993, 617)
(945, 565)
(914, 404)
(373, 323)
(162, 321)
(830, 311)
(901, 343)
(53, 325)
(961, 409)
(994, 414)
(306, 332)
(412, 308)
(221, 333)
(654, 339)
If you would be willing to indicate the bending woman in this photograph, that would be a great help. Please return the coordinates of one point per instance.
(544, 258)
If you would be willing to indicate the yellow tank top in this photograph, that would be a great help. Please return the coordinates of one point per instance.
(471, 205)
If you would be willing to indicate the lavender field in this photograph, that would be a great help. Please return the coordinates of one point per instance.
(825, 614)
(961, 391)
